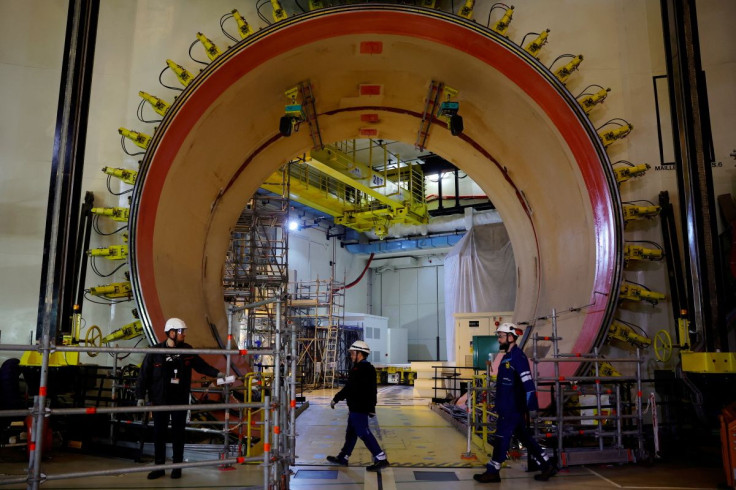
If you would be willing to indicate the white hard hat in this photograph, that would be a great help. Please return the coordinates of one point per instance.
(360, 346)
(511, 328)
(174, 324)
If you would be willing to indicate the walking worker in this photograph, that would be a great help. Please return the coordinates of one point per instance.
(167, 379)
(360, 392)
(515, 396)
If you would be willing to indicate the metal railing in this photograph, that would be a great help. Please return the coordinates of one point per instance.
(277, 408)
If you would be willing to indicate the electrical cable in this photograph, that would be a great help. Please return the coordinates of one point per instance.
(224, 18)
(139, 113)
(96, 227)
(116, 193)
(300, 6)
(615, 120)
(633, 325)
(192, 57)
(122, 144)
(623, 161)
(167, 86)
(639, 200)
(637, 284)
(259, 5)
(525, 36)
(96, 271)
(106, 302)
(646, 241)
(493, 7)
(586, 88)
(566, 55)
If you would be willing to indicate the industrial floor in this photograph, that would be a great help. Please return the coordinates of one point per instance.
(425, 452)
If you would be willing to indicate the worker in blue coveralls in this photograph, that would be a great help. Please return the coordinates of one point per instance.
(360, 392)
(515, 396)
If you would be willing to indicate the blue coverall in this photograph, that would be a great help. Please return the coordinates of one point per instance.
(515, 395)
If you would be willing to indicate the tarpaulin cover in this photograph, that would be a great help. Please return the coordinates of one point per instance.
(480, 276)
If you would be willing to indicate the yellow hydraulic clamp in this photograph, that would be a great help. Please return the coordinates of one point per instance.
(212, 51)
(244, 28)
(606, 369)
(610, 136)
(625, 333)
(316, 4)
(159, 105)
(625, 173)
(141, 140)
(467, 9)
(117, 214)
(634, 292)
(564, 72)
(182, 74)
(588, 101)
(113, 252)
(127, 176)
(278, 11)
(126, 332)
(502, 26)
(113, 290)
(535, 46)
(632, 212)
(638, 252)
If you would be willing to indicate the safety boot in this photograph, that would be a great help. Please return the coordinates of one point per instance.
(487, 477)
(547, 472)
(381, 463)
(339, 459)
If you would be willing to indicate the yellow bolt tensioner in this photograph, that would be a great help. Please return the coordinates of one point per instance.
(140, 139)
(632, 212)
(117, 214)
(113, 290)
(127, 176)
(564, 72)
(634, 292)
(638, 252)
(625, 173)
(113, 252)
(244, 28)
(587, 102)
(534, 47)
(212, 50)
(610, 136)
(502, 26)
(159, 105)
(182, 74)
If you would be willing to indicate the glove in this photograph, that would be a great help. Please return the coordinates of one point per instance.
(332, 404)
(220, 374)
(372, 414)
(141, 402)
(533, 414)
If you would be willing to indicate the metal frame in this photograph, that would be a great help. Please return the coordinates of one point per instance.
(562, 421)
(279, 408)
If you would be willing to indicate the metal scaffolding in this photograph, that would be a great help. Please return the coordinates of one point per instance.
(613, 420)
(274, 414)
(316, 309)
(256, 265)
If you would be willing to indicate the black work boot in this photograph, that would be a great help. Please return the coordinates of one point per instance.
(381, 463)
(156, 474)
(487, 477)
(339, 459)
(547, 472)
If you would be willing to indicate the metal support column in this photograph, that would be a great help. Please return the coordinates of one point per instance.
(694, 178)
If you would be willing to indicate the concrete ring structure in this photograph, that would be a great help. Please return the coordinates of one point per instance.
(526, 142)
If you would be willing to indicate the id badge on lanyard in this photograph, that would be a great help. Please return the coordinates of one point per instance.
(175, 379)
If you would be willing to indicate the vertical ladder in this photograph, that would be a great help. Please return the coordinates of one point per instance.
(430, 109)
(310, 113)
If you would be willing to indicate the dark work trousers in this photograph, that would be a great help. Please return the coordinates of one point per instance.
(358, 427)
(510, 425)
(160, 433)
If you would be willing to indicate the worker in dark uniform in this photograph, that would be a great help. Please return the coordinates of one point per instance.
(167, 379)
(360, 393)
(515, 396)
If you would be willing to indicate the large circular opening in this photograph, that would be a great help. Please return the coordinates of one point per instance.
(525, 142)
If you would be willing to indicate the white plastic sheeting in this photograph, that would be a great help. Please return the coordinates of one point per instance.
(480, 276)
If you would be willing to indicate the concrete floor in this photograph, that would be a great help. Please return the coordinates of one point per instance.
(424, 451)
